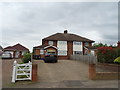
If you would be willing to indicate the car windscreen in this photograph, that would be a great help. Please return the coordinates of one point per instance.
(50, 53)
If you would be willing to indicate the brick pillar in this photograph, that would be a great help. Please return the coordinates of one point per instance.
(83, 44)
(14, 53)
(34, 72)
(69, 49)
(118, 44)
(92, 71)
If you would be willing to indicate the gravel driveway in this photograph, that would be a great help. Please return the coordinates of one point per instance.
(64, 74)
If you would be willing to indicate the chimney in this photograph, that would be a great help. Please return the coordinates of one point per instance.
(118, 44)
(65, 32)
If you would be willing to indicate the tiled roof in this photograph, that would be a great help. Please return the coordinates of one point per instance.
(41, 46)
(16, 47)
(91, 47)
(1, 47)
(67, 37)
(44, 46)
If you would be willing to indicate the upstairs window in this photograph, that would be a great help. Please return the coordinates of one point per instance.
(77, 43)
(50, 42)
(62, 42)
(62, 45)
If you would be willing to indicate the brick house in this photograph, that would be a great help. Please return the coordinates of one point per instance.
(65, 44)
(17, 51)
(1, 50)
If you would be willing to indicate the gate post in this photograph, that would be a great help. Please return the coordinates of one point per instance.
(92, 71)
(34, 72)
(14, 72)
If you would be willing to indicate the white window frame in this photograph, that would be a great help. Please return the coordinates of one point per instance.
(50, 42)
(77, 43)
(62, 52)
(92, 52)
(62, 45)
(41, 51)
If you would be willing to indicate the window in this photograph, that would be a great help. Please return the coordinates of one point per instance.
(77, 43)
(86, 44)
(77, 52)
(23, 52)
(62, 42)
(41, 51)
(50, 42)
(62, 45)
(61, 52)
(92, 52)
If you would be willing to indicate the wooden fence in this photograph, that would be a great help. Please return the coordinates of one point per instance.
(85, 58)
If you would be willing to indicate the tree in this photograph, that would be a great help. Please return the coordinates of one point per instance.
(99, 45)
(26, 58)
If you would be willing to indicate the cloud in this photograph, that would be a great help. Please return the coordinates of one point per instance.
(28, 22)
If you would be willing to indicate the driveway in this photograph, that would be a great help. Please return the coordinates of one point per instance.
(64, 74)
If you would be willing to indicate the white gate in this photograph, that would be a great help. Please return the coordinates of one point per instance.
(22, 71)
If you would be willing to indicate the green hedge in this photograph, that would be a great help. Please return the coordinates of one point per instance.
(107, 54)
(26, 58)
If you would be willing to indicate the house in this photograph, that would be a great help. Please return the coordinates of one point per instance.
(1, 50)
(17, 51)
(65, 44)
(90, 50)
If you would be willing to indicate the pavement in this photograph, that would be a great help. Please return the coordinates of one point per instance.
(64, 74)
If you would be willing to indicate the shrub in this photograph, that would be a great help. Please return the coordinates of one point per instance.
(117, 60)
(26, 58)
(118, 51)
(106, 54)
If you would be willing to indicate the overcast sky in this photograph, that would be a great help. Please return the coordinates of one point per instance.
(27, 23)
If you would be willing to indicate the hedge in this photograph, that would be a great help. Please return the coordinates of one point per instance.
(26, 58)
(107, 54)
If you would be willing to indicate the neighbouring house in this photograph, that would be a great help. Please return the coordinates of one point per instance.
(90, 50)
(17, 51)
(65, 44)
(1, 50)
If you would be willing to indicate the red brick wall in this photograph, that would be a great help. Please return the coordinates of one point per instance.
(90, 44)
(63, 57)
(70, 49)
(83, 44)
(37, 52)
(45, 42)
(55, 43)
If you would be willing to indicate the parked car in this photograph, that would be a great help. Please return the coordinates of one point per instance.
(50, 57)
(6, 56)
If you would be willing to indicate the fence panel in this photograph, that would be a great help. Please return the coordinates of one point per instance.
(85, 58)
